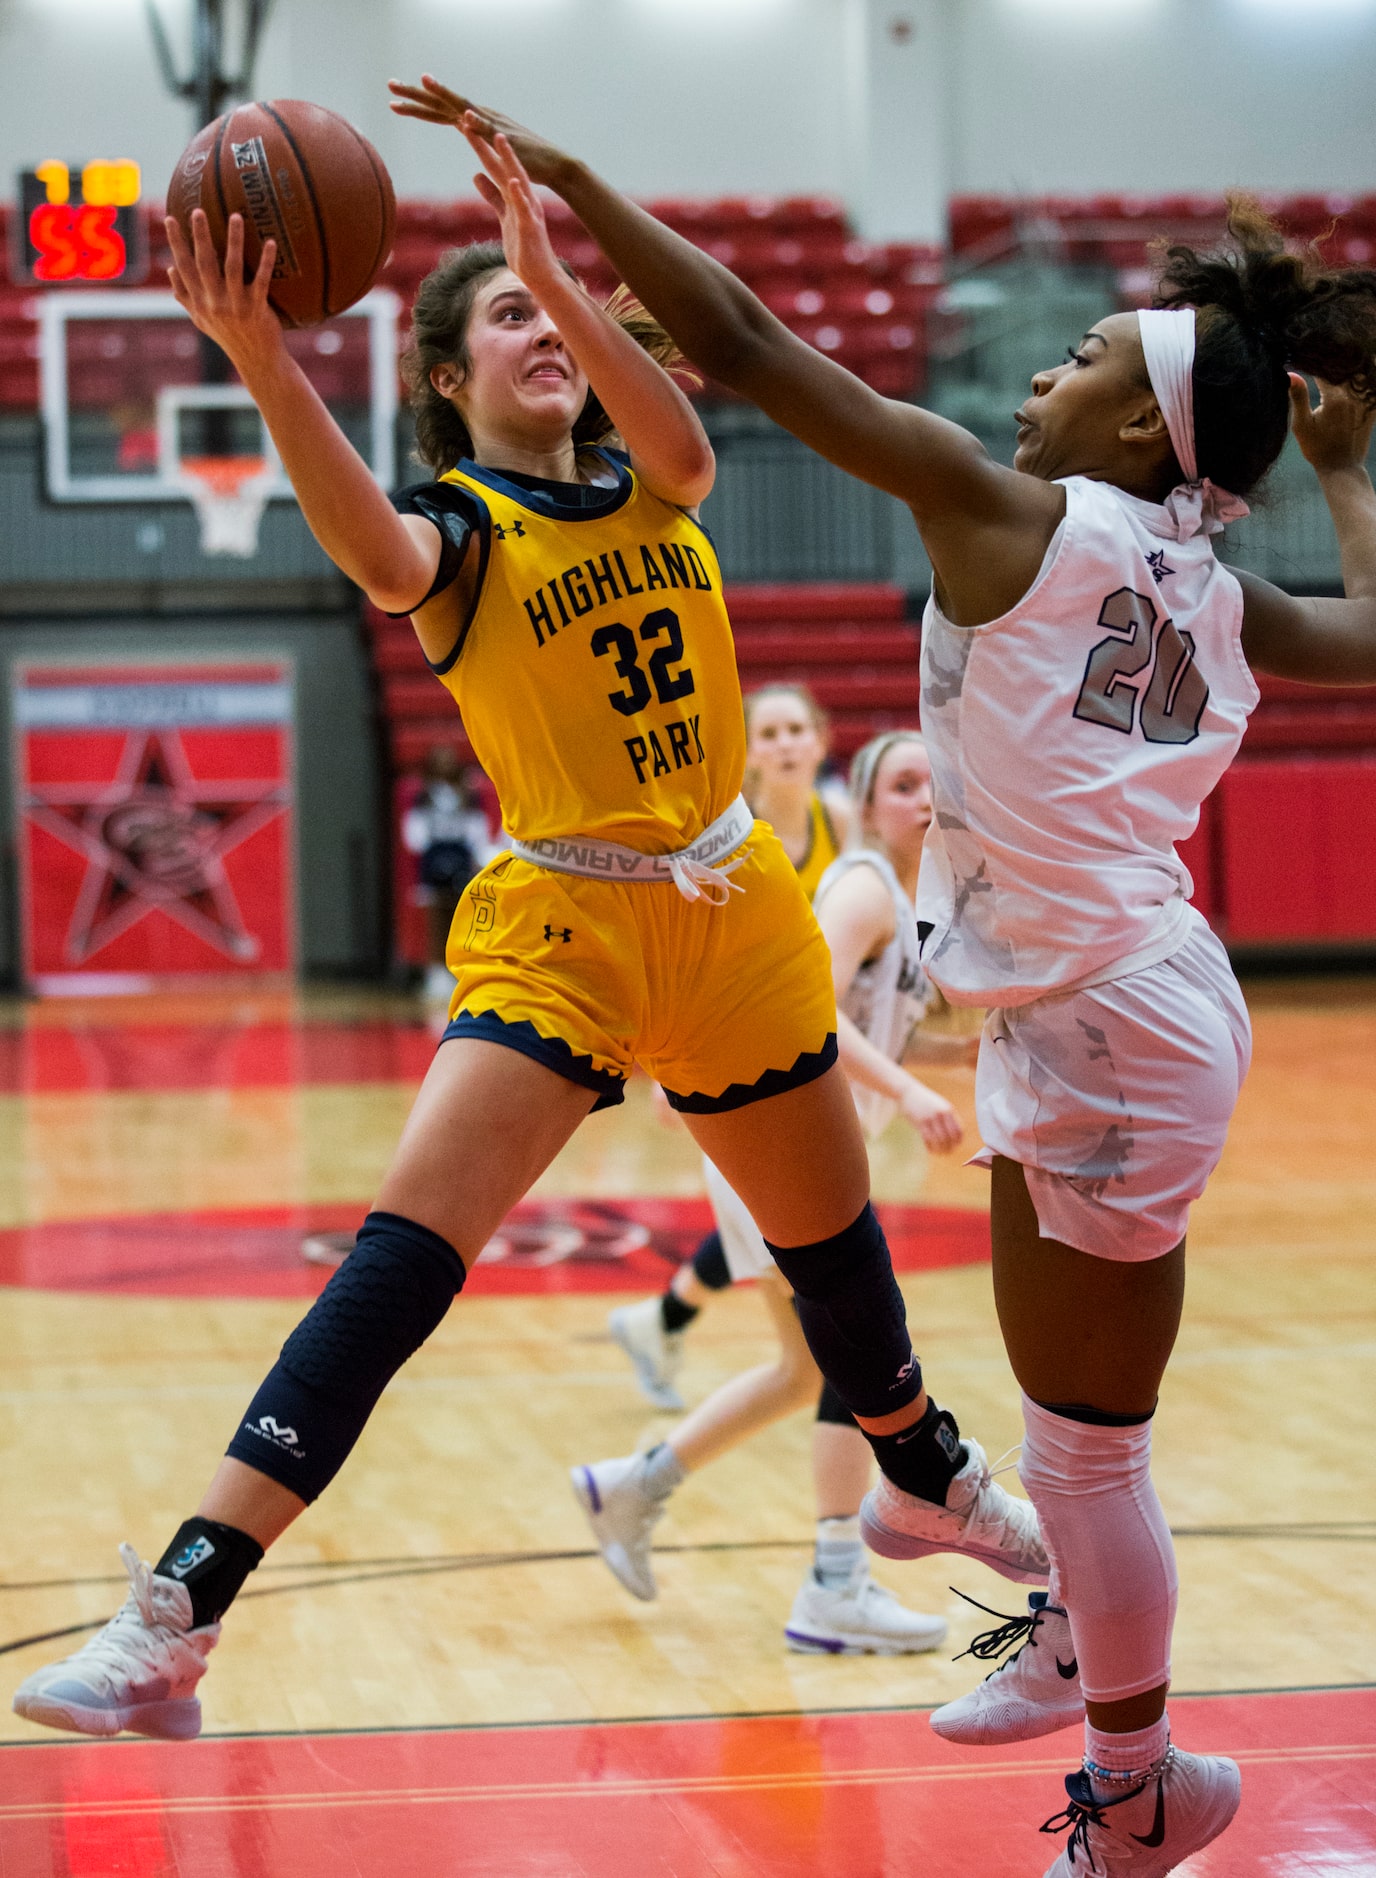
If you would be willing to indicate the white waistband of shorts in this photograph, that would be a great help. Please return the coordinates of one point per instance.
(1178, 920)
(698, 871)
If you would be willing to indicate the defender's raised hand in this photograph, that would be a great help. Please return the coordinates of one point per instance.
(227, 307)
(1335, 435)
(433, 103)
(505, 186)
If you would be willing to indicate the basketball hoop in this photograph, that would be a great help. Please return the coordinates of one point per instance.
(229, 494)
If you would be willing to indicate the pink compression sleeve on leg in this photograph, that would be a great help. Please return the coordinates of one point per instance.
(1110, 1546)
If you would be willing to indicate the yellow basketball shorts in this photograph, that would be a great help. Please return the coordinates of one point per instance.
(721, 1005)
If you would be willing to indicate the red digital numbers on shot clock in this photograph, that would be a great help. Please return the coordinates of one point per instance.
(83, 226)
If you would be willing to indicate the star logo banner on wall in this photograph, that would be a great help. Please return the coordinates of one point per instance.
(155, 811)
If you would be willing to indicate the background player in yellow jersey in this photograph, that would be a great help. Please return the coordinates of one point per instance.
(787, 742)
(573, 606)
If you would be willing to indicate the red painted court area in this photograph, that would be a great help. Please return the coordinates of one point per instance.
(63, 1057)
(544, 1246)
(839, 1796)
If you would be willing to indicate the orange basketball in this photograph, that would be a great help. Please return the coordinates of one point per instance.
(303, 176)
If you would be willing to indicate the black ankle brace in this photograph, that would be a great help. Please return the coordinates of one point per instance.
(674, 1314)
(212, 1561)
(925, 1458)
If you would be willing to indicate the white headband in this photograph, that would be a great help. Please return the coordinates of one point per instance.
(1168, 340)
(1168, 344)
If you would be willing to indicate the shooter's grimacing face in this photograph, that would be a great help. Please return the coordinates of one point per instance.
(522, 378)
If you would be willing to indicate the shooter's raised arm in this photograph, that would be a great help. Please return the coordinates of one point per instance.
(391, 557)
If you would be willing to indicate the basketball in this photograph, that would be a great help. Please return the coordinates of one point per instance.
(303, 177)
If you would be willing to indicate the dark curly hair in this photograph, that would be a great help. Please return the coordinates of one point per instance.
(439, 336)
(1264, 311)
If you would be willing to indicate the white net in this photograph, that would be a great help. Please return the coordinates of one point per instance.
(229, 494)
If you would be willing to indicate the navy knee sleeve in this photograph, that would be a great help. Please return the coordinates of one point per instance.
(709, 1264)
(383, 1302)
(831, 1409)
(853, 1316)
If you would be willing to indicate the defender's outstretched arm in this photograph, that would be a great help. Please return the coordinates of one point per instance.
(934, 466)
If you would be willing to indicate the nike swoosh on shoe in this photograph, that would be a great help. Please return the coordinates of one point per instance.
(1068, 1671)
(1157, 1835)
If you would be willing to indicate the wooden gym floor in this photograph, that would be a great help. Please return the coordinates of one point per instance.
(434, 1671)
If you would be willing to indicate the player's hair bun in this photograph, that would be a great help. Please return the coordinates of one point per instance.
(1265, 311)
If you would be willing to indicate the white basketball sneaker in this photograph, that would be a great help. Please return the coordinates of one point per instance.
(1153, 1828)
(857, 1618)
(1034, 1693)
(139, 1673)
(622, 1516)
(656, 1352)
(979, 1519)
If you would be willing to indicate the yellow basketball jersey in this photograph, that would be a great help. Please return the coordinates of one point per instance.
(822, 847)
(597, 673)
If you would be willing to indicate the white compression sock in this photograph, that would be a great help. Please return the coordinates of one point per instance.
(1114, 1564)
(839, 1550)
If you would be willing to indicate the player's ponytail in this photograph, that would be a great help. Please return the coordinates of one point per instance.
(594, 426)
(439, 336)
(1263, 311)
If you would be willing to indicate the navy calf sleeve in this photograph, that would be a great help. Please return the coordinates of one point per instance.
(389, 1294)
(709, 1264)
(831, 1409)
(852, 1314)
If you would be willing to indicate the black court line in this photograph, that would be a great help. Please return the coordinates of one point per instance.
(705, 1717)
(378, 1571)
(1335, 1529)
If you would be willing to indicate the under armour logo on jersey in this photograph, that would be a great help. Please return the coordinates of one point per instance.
(502, 529)
(1157, 563)
(564, 933)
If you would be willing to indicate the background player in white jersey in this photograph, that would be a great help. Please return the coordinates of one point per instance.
(787, 737)
(864, 906)
(1086, 683)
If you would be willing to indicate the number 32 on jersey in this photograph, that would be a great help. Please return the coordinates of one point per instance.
(1174, 695)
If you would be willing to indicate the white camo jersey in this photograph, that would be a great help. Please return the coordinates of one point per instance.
(1072, 742)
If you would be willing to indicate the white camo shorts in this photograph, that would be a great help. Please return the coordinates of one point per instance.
(1116, 1100)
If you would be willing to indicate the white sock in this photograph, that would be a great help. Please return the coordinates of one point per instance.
(1136, 1756)
(662, 1471)
(839, 1550)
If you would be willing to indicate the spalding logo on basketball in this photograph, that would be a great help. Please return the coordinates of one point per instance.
(303, 177)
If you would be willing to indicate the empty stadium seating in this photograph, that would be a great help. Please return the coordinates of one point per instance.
(863, 303)
(1118, 230)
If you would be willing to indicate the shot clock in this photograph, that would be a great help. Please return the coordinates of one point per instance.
(80, 223)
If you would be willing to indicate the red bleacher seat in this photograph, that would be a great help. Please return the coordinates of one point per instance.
(976, 220)
(815, 600)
